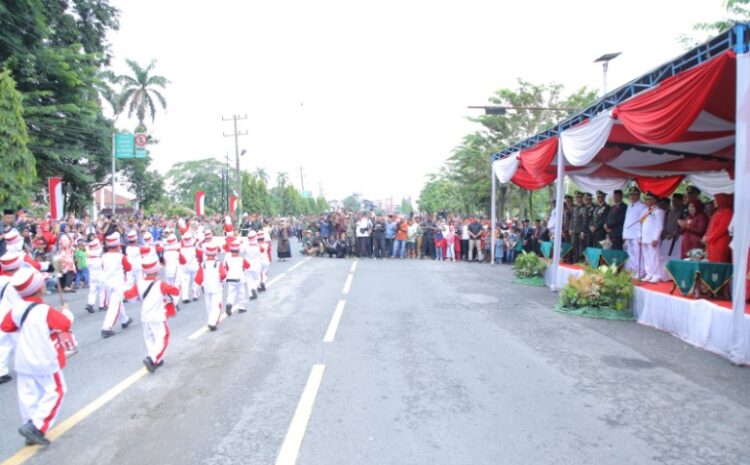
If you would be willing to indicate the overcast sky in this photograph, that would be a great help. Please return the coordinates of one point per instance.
(370, 97)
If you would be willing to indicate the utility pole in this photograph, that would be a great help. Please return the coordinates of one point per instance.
(302, 180)
(236, 134)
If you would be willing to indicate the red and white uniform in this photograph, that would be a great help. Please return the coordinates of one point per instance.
(149, 250)
(236, 266)
(9, 263)
(173, 261)
(154, 312)
(39, 356)
(114, 267)
(253, 254)
(133, 252)
(94, 262)
(211, 275)
(265, 257)
(193, 258)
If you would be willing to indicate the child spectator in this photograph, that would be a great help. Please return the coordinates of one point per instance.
(82, 271)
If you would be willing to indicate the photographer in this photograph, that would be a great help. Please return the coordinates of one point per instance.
(363, 234)
(378, 237)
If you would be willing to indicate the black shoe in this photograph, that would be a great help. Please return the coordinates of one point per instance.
(107, 333)
(29, 442)
(254, 294)
(262, 287)
(149, 365)
(228, 311)
(195, 299)
(90, 308)
(102, 309)
(32, 434)
(186, 301)
(211, 328)
(176, 308)
(5, 378)
(242, 310)
(127, 323)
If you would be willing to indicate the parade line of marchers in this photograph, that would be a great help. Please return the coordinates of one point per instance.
(41, 335)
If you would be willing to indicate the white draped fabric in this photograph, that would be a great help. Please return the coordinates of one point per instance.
(740, 349)
(592, 184)
(712, 183)
(506, 167)
(582, 143)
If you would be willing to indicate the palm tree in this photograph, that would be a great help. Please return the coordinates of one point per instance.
(282, 178)
(138, 91)
(262, 174)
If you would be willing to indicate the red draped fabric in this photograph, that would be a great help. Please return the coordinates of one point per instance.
(661, 115)
(537, 159)
(662, 187)
(526, 180)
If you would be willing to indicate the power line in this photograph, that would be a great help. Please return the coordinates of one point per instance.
(236, 134)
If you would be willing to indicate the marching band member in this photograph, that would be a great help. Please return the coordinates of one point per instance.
(114, 267)
(193, 256)
(265, 260)
(133, 252)
(253, 255)
(10, 262)
(236, 267)
(96, 286)
(155, 296)
(14, 243)
(149, 249)
(211, 275)
(173, 260)
(43, 334)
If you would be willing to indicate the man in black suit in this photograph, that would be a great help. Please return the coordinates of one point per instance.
(616, 220)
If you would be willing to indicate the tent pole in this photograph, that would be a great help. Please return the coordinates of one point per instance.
(741, 241)
(493, 214)
(559, 206)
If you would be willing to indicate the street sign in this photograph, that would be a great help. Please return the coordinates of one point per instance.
(141, 139)
(124, 145)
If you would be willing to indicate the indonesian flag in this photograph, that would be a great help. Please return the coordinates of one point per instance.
(56, 198)
(200, 203)
(232, 204)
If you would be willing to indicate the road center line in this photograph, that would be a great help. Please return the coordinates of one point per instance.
(348, 283)
(274, 280)
(354, 267)
(294, 267)
(29, 451)
(293, 440)
(334, 324)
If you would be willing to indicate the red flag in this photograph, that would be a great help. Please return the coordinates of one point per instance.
(56, 198)
(232, 204)
(200, 203)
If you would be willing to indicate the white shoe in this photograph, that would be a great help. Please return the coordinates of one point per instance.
(654, 280)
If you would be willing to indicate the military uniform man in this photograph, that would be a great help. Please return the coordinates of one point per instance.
(586, 213)
(567, 218)
(576, 228)
(616, 220)
(600, 217)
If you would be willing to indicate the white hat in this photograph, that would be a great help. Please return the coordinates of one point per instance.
(113, 240)
(132, 235)
(27, 281)
(11, 261)
(211, 250)
(171, 239)
(94, 244)
(12, 237)
(147, 236)
(150, 265)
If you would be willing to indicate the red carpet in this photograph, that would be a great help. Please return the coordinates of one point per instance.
(664, 288)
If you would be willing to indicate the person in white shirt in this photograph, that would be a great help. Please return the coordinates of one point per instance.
(96, 286)
(363, 234)
(653, 225)
(10, 263)
(236, 266)
(631, 232)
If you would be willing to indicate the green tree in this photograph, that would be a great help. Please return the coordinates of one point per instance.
(262, 174)
(351, 203)
(738, 11)
(187, 177)
(282, 178)
(406, 207)
(19, 172)
(321, 205)
(255, 196)
(139, 91)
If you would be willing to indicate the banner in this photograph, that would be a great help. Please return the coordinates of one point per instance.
(56, 199)
(200, 203)
(232, 204)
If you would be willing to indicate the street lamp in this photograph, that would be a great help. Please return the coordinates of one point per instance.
(604, 60)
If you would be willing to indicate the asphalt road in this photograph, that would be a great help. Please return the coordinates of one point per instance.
(431, 363)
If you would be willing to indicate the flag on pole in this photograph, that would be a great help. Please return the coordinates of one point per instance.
(56, 199)
(200, 203)
(232, 204)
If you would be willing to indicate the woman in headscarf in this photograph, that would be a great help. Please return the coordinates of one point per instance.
(717, 235)
(283, 248)
(693, 227)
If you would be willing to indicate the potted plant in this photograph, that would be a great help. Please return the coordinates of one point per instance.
(602, 292)
(529, 269)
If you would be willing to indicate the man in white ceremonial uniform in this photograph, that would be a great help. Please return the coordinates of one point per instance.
(114, 267)
(96, 286)
(193, 257)
(10, 263)
(133, 252)
(631, 232)
(253, 255)
(236, 266)
(155, 296)
(40, 355)
(653, 225)
(211, 275)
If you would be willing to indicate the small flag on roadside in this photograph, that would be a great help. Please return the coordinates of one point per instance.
(200, 203)
(232, 204)
(56, 199)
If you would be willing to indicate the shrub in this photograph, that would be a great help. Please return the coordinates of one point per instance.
(528, 265)
(602, 287)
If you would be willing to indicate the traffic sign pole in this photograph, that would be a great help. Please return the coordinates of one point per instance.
(113, 176)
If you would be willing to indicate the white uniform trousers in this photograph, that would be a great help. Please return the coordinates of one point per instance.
(7, 342)
(96, 292)
(115, 310)
(651, 261)
(133, 276)
(213, 307)
(633, 248)
(264, 272)
(236, 294)
(40, 397)
(188, 281)
(252, 279)
(156, 336)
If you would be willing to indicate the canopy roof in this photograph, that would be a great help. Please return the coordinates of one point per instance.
(676, 121)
